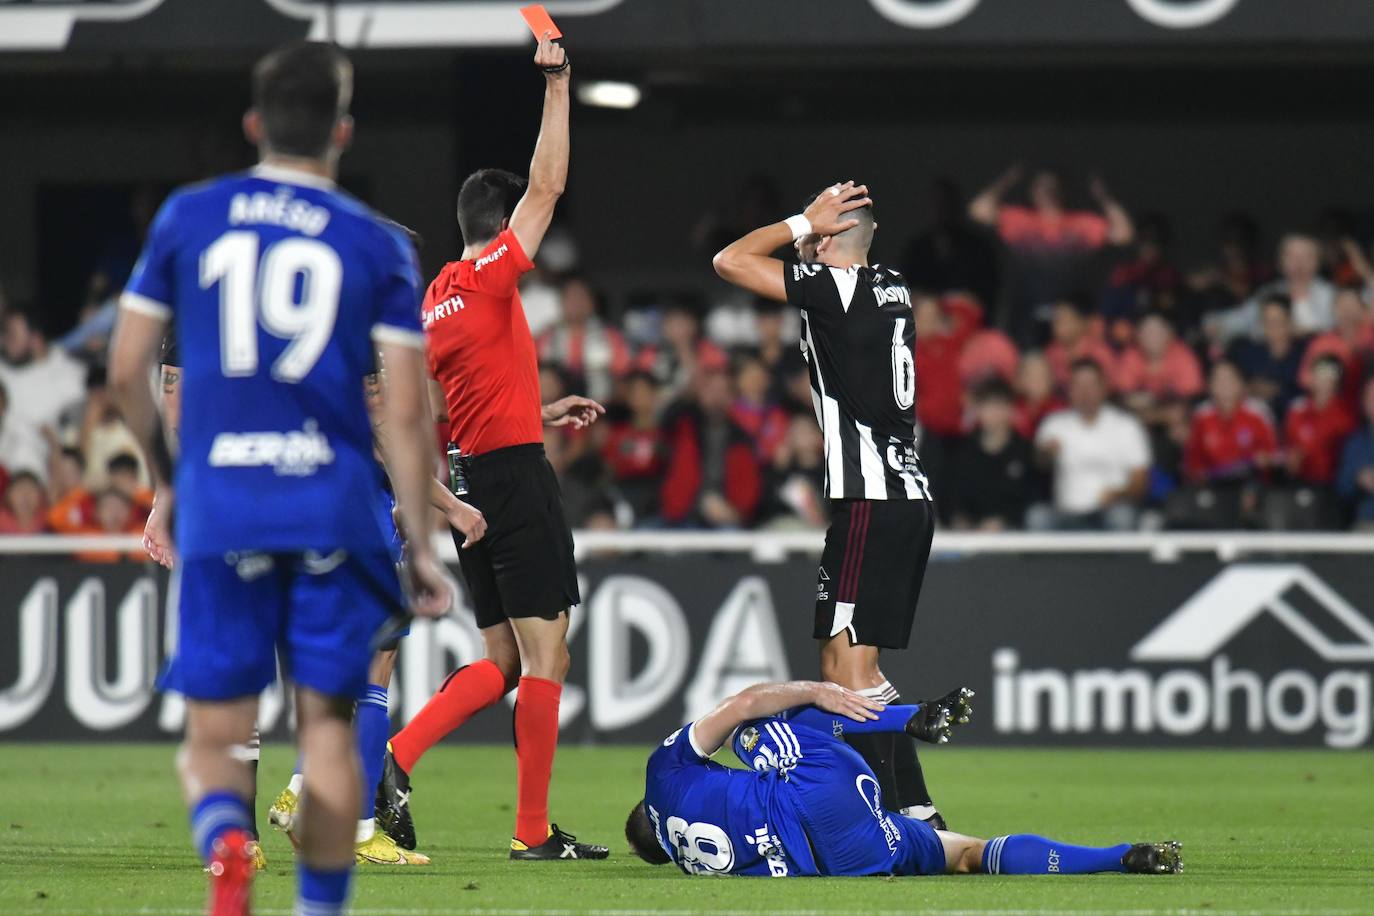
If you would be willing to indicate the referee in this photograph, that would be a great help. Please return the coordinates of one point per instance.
(858, 339)
(521, 577)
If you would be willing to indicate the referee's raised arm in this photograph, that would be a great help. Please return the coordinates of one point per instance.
(549, 167)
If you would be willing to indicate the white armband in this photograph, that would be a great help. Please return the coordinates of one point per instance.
(799, 225)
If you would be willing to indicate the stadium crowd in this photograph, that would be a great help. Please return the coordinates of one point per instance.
(1072, 373)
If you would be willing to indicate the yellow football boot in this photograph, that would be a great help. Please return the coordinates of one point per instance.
(282, 815)
(382, 850)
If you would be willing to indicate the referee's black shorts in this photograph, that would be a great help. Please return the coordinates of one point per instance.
(524, 566)
(872, 567)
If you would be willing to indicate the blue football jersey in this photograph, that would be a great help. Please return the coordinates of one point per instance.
(278, 285)
(713, 819)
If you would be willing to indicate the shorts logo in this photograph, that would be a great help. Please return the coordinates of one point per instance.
(869, 792)
(770, 847)
(250, 566)
(822, 589)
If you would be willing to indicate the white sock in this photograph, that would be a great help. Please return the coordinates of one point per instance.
(366, 828)
(296, 784)
(884, 692)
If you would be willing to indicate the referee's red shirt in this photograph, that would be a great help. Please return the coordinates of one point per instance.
(480, 349)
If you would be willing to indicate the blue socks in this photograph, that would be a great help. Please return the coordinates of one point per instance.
(215, 815)
(372, 727)
(1027, 854)
(890, 719)
(321, 892)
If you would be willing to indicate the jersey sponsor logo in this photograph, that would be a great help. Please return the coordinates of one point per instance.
(281, 208)
(298, 453)
(800, 271)
(901, 457)
(450, 306)
(492, 258)
(869, 792)
(886, 294)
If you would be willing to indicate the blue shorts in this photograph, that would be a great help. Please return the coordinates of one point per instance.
(317, 611)
(835, 797)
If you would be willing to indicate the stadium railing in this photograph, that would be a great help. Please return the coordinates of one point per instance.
(774, 546)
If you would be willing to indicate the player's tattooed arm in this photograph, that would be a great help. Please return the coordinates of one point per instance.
(711, 731)
(549, 166)
(171, 400)
(749, 263)
(136, 342)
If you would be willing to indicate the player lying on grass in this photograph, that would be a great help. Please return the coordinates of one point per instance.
(811, 806)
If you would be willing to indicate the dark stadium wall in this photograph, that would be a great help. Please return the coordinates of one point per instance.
(1274, 144)
(1283, 172)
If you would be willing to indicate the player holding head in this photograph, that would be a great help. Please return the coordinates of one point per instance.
(522, 579)
(858, 337)
(811, 806)
(280, 285)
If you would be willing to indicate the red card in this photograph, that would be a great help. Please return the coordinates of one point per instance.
(539, 21)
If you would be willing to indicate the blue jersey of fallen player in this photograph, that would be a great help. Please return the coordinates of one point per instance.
(712, 819)
(809, 806)
(278, 284)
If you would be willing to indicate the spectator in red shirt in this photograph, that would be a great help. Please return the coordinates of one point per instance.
(22, 512)
(1232, 439)
(940, 406)
(988, 353)
(713, 478)
(1317, 426)
(754, 410)
(1351, 342)
(940, 398)
(1074, 338)
(1158, 366)
(1051, 245)
(635, 450)
(582, 344)
(1035, 394)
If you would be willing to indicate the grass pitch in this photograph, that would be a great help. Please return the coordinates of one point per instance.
(101, 829)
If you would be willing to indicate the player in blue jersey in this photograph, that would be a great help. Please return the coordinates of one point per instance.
(811, 806)
(371, 721)
(281, 285)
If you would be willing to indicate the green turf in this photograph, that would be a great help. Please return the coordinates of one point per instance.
(94, 828)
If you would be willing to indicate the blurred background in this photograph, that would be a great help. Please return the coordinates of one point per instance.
(1175, 192)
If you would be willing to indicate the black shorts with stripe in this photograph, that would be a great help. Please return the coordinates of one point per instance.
(524, 566)
(872, 568)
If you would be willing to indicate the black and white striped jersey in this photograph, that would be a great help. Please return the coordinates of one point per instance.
(858, 337)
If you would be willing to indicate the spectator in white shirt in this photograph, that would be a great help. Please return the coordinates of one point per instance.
(44, 385)
(1100, 456)
(1313, 298)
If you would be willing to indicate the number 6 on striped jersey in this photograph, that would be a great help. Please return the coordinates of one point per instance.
(903, 368)
(253, 290)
